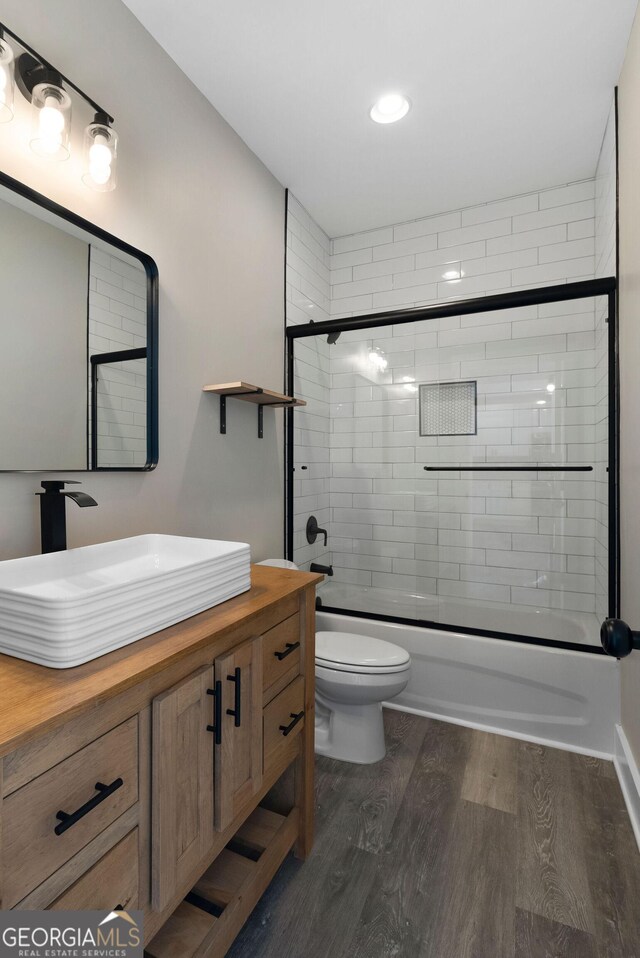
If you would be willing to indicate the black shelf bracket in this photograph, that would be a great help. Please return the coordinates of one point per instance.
(223, 415)
(223, 409)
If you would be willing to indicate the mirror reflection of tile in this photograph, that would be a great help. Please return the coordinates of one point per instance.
(118, 321)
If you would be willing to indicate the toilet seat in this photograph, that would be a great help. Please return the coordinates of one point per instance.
(359, 654)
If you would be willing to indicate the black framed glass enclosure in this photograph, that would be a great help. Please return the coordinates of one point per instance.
(464, 459)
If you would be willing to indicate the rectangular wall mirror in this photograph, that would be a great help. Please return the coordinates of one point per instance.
(78, 342)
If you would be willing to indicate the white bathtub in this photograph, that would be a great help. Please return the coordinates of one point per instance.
(557, 625)
(561, 698)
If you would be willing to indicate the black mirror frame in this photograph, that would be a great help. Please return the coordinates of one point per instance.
(151, 271)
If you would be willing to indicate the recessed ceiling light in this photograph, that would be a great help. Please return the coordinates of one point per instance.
(542, 402)
(389, 108)
(551, 388)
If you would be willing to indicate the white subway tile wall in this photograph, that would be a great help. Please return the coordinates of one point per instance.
(118, 320)
(308, 297)
(527, 538)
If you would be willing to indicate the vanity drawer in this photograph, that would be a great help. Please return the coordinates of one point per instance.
(112, 882)
(35, 841)
(281, 651)
(280, 725)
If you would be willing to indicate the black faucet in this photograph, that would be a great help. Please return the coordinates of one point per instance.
(313, 530)
(53, 524)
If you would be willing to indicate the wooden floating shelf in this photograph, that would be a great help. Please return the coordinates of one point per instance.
(205, 924)
(254, 394)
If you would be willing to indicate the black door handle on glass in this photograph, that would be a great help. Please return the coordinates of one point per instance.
(216, 728)
(67, 819)
(235, 711)
(295, 716)
(288, 649)
(617, 638)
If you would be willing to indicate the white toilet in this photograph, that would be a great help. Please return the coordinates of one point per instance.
(354, 675)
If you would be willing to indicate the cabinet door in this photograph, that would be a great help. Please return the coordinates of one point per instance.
(182, 810)
(239, 754)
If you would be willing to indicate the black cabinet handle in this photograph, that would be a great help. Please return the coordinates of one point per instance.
(295, 718)
(288, 649)
(236, 710)
(67, 819)
(216, 728)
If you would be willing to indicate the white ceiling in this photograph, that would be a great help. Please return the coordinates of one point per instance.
(508, 95)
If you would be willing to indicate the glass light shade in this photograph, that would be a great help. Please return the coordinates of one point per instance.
(100, 157)
(51, 122)
(7, 81)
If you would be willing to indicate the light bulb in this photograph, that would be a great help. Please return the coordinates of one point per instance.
(551, 388)
(100, 160)
(100, 151)
(51, 107)
(51, 126)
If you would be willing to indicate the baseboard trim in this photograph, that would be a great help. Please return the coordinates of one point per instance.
(535, 740)
(629, 778)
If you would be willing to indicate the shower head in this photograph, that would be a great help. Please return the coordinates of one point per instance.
(333, 338)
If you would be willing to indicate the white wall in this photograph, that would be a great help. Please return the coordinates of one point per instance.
(629, 309)
(193, 196)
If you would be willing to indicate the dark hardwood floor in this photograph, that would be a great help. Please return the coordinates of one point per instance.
(459, 844)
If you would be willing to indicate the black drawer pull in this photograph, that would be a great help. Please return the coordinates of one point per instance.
(295, 718)
(235, 711)
(288, 649)
(216, 728)
(67, 819)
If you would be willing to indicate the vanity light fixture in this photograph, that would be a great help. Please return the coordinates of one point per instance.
(389, 108)
(7, 81)
(48, 92)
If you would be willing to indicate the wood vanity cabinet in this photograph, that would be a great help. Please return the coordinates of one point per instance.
(172, 776)
(238, 757)
(182, 798)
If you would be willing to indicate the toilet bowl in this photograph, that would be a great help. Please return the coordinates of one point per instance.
(355, 674)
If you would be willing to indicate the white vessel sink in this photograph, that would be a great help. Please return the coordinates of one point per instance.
(67, 608)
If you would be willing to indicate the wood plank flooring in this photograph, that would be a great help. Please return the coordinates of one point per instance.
(460, 844)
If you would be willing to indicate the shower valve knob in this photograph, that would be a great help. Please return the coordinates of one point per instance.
(618, 639)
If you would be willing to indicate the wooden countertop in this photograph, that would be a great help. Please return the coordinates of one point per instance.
(35, 699)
